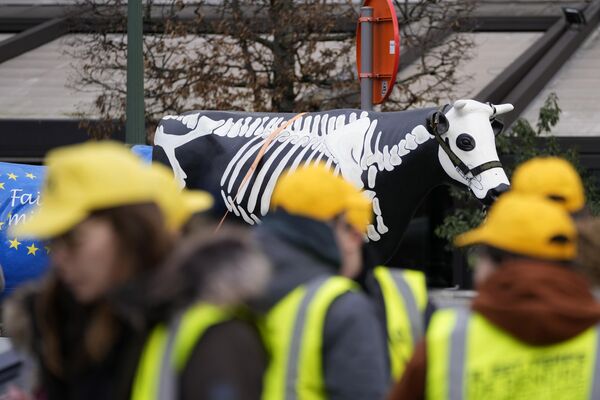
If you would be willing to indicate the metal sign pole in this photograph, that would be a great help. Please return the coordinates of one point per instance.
(135, 132)
(366, 58)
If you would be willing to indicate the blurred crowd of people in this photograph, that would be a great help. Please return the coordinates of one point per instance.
(149, 298)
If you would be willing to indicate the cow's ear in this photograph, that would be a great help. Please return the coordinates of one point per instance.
(460, 104)
(437, 123)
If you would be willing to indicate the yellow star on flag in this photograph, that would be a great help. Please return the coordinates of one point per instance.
(32, 249)
(1, 225)
(2, 185)
(12, 176)
(14, 244)
(30, 175)
(47, 249)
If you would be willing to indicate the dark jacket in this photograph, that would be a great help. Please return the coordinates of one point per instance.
(536, 302)
(227, 363)
(300, 250)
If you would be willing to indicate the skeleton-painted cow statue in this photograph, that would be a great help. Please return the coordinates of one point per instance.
(396, 157)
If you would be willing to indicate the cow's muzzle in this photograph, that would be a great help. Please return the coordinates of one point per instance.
(493, 194)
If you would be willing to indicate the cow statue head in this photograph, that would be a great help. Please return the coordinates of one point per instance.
(467, 147)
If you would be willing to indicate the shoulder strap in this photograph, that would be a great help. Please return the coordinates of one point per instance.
(146, 381)
(404, 297)
(457, 359)
(446, 353)
(167, 351)
(304, 366)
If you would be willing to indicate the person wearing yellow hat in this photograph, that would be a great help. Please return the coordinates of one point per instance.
(556, 179)
(553, 178)
(532, 329)
(399, 295)
(216, 345)
(110, 224)
(322, 334)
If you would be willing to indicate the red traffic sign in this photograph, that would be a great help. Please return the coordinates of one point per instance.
(386, 48)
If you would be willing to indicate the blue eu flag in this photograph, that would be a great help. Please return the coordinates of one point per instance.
(21, 259)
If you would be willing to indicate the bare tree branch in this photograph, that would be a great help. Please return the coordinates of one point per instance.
(297, 63)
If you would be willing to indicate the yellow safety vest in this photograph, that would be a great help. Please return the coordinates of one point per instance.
(405, 299)
(293, 333)
(470, 358)
(167, 350)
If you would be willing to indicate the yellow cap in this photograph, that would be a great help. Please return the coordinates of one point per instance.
(97, 175)
(551, 177)
(315, 192)
(178, 205)
(83, 178)
(527, 225)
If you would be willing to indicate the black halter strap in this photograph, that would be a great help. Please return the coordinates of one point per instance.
(485, 166)
(434, 124)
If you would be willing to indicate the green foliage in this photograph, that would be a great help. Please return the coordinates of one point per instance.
(461, 220)
(520, 144)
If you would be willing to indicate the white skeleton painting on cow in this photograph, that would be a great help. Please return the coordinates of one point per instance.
(395, 157)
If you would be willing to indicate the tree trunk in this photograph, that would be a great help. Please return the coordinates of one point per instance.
(284, 96)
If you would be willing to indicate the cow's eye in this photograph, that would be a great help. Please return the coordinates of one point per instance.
(465, 142)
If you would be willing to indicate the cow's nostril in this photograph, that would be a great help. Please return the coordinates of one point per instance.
(493, 194)
(498, 190)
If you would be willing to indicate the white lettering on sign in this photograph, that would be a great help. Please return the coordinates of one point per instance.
(24, 198)
(392, 47)
(20, 198)
(15, 219)
(384, 87)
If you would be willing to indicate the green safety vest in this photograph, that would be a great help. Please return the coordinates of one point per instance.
(470, 358)
(293, 333)
(167, 350)
(405, 299)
